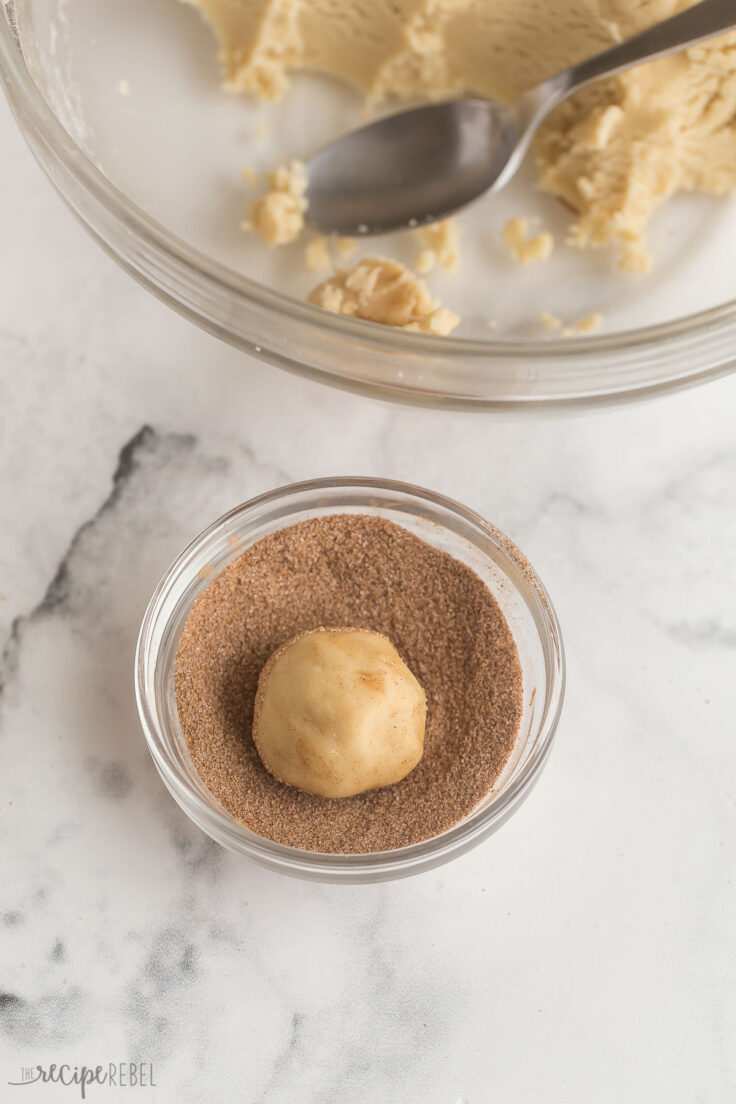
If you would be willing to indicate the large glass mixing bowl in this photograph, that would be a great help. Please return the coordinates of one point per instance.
(119, 101)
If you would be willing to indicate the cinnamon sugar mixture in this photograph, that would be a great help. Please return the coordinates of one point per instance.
(367, 572)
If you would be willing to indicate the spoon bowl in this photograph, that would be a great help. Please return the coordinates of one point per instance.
(411, 168)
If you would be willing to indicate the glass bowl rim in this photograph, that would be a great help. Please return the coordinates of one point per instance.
(328, 866)
(36, 118)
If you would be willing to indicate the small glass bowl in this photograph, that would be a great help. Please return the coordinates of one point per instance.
(440, 522)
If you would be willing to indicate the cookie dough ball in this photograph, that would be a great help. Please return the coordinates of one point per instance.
(338, 712)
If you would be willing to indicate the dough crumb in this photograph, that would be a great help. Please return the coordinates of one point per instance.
(440, 246)
(279, 215)
(381, 290)
(249, 175)
(317, 255)
(523, 246)
(635, 257)
(587, 325)
(124, 87)
(492, 323)
(550, 321)
(261, 131)
(347, 247)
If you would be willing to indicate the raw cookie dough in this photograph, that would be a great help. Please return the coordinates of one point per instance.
(317, 254)
(338, 712)
(590, 324)
(619, 149)
(279, 215)
(380, 290)
(524, 246)
(613, 153)
(440, 245)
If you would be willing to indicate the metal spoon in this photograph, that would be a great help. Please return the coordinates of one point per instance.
(421, 165)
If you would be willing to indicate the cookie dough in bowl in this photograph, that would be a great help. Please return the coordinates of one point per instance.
(164, 168)
(613, 153)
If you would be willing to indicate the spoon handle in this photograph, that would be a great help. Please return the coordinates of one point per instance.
(704, 20)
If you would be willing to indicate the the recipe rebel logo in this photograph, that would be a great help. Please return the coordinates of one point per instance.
(115, 1075)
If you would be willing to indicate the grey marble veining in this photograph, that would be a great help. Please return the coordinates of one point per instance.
(586, 952)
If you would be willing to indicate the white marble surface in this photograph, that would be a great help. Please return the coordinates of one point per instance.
(585, 953)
